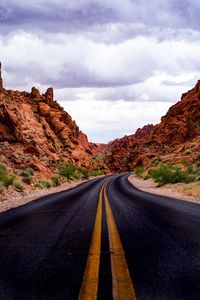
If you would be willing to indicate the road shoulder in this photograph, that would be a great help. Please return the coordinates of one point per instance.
(188, 192)
(18, 199)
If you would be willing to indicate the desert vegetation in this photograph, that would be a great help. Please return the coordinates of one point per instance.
(170, 173)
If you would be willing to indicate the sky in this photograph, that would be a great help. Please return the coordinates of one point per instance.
(115, 65)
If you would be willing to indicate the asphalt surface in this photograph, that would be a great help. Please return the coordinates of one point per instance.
(44, 245)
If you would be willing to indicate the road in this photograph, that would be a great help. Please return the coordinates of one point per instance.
(104, 239)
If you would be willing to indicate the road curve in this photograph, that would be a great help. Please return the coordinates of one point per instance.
(104, 239)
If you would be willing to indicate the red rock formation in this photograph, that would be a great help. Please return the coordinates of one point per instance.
(35, 131)
(176, 136)
(118, 151)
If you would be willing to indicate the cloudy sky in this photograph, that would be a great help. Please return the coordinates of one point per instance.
(116, 65)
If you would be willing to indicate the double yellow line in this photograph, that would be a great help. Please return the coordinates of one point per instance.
(122, 286)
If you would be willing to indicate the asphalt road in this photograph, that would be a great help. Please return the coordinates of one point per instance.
(104, 239)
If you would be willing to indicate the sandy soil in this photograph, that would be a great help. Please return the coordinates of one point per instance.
(17, 199)
(188, 192)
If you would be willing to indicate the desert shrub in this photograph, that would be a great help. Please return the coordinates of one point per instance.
(2, 169)
(43, 184)
(84, 173)
(6, 179)
(139, 171)
(30, 171)
(19, 185)
(103, 171)
(96, 172)
(70, 171)
(66, 170)
(55, 180)
(27, 175)
(170, 174)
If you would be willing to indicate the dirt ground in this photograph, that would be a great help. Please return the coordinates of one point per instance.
(16, 199)
(182, 191)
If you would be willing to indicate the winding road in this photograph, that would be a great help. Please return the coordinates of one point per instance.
(103, 239)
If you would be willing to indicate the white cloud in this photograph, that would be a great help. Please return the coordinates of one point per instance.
(104, 121)
(75, 61)
(117, 64)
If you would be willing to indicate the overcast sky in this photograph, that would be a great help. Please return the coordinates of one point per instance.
(115, 65)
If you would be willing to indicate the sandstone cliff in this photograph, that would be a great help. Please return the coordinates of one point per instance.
(175, 139)
(36, 132)
(118, 151)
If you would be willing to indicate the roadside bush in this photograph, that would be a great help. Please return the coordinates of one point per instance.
(2, 169)
(77, 175)
(55, 180)
(43, 184)
(66, 170)
(70, 171)
(6, 179)
(139, 171)
(19, 186)
(84, 173)
(170, 174)
(27, 175)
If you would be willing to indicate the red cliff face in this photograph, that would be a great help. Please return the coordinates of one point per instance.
(118, 151)
(182, 121)
(175, 139)
(36, 132)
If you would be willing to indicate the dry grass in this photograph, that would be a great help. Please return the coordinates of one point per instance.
(191, 189)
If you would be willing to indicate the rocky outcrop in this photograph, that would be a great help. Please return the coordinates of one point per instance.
(175, 139)
(117, 152)
(36, 132)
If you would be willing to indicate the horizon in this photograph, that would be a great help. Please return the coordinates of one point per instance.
(113, 68)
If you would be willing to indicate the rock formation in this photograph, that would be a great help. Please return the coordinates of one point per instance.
(175, 139)
(118, 151)
(36, 132)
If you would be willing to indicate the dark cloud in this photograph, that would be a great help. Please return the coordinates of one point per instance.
(71, 16)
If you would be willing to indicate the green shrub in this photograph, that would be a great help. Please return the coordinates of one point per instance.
(30, 171)
(2, 169)
(70, 171)
(139, 171)
(7, 180)
(84, 172)
(43, 184)
(26, 173)
(55, 180)
(170, 174)
(19, 185)
(66, 170)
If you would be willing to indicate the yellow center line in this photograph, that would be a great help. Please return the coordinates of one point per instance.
(89, 287)
(122, 286)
